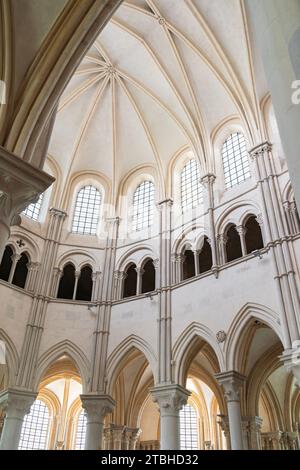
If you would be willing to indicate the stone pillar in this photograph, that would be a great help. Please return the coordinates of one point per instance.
(77, 276)
(15, 258)
(232, 382)
(16, 403)
(222, 239)
(208, 183)
(224, 425)
(33, 270)
(170, 399)
(164, 292)
(291, 360)
(96, 408)
(157, 273)
(276, 29)
(20, 185)
(277, 239)
(196, 260)
(140, 272)
(242, 232)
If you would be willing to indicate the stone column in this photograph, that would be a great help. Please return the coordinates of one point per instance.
(170, 399)
(77, 276)
(232, 382)
(96, 408)
(196, 260)
(242, 232)
(276, 29)
(20, 185)
(16, 403)
(140, 272)
(277, 239)
(15, 258)
(208, 183)
(291, 360)
(164, 292)
(224, 425)
(222, 239)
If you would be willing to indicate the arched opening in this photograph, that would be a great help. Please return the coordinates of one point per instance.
(148, 278)
(6, 263)
(266, 402)
(205, 257)
(188, 266)
(130, 281)
(54, 421)
(200, 423)
(67, 283)
(253, 236)
(85, 284)
(135, 409)
(35, 429)
(21, 271)
(233, 244)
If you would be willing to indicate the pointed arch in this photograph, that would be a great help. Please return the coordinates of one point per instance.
(117, 356)
(187, 342)
(11, 357)
(58, 350)
(247, 313)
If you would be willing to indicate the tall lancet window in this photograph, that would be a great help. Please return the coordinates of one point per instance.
(235, 160)
(143, 206)
(33, 210)
(191, 187)
(188, 428)
(34, 434)
(81, 432)
(87, 211)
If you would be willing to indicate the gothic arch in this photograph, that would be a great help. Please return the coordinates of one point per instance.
(185, 345)
(12, 357)
(120, 352)
(69, 349)
(238, 326)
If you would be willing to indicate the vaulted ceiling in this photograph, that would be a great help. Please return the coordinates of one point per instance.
(161, 77)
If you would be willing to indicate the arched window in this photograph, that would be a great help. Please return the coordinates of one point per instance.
(130, 281)
(253, 236)
(21, 271)
(148, 279)
(67, 283)
(233, 244)
(188, 266)
(33, 210)
(191, 188)
(235, 160)
(6, 263)
(81, 432)
(143, 206)
(205, 257)
(188, 428)
(87, 211)
(85, 284)
(34, 434)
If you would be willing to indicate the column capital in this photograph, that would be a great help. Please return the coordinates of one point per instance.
(20, 185)
(168, 202)
(208, 179)
(97, 406)
(57, 213)
(17, 402)
(291, 361)
(231, 382)
(260, 150)
(170, 398)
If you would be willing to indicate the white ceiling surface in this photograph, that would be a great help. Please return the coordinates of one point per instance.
(179, 68)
